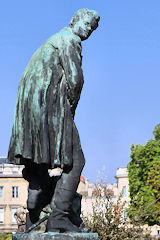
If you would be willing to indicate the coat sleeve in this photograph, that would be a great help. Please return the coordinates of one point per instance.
(71, 60)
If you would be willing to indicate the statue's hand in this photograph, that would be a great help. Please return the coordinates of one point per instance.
(55, 172)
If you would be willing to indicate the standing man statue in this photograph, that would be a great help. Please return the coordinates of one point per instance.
(44, 135)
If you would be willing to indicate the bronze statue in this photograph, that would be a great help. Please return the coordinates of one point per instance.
(44, 135)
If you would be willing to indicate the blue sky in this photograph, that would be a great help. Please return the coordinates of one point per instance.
(120, 101)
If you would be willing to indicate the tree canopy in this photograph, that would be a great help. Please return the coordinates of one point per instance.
(144, 179)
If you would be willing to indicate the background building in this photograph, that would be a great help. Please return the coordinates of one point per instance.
(122, 183)
(13, 194)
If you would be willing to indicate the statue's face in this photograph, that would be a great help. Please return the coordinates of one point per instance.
(84, 27)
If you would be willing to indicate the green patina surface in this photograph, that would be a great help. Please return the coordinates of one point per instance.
(48, 94)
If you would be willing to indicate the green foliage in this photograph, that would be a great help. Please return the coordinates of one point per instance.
(107, 218)
(5, 236)
(156, 132)
(144, 179)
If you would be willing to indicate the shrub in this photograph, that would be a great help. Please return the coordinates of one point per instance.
(5, 236)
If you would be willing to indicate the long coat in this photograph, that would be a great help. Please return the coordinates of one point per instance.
(48, 93)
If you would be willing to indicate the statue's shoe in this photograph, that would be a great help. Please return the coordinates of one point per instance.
(61, 225)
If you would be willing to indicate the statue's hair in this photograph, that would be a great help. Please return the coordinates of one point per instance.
(82, 13)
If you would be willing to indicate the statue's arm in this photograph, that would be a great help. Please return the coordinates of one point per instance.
(71, 62)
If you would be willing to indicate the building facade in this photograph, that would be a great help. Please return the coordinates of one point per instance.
(13, 194)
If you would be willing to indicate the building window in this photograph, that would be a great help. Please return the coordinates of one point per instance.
(124, 191)
(1, 191)
(15, 192)
(158, 232)
(13, 210)
(1, 215)
(125, 215)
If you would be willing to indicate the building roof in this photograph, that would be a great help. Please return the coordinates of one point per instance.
(121, 172)
(82, 179)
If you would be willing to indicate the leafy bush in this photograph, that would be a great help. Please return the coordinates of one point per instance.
(144, 179)
(5, 236)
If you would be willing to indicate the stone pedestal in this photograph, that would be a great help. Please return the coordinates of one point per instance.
(55, 236)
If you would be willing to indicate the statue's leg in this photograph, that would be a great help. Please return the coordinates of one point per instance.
(75, 212)
(65, 191)
(33, 212)
(38, 194)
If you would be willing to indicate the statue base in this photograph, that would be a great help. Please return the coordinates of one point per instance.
(55, 236)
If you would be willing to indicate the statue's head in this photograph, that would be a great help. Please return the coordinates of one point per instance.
(84, 22)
